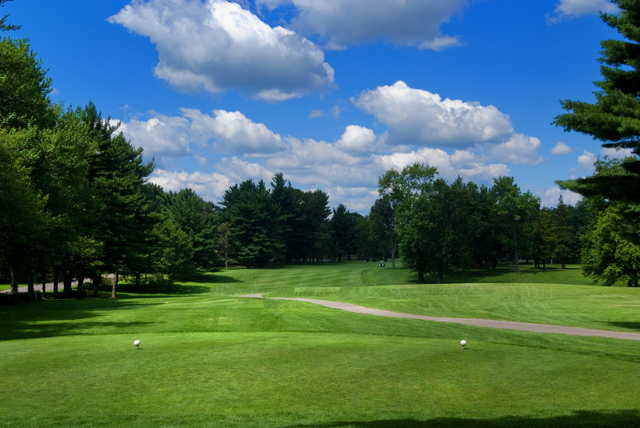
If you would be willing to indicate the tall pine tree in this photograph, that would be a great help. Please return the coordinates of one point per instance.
(615, 116)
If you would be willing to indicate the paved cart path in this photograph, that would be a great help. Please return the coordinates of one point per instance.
(508, 325)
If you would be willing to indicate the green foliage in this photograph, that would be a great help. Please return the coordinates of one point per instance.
(344, 232)
(175, 255)
(23, 221)
(612, 247)
(24, 87)
(4, 26)
(252, 218)
(199, 220)
(615, 116)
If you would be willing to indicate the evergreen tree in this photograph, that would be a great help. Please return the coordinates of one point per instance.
(199, 220)
(615, 116)
(24, 87)
(250, 212)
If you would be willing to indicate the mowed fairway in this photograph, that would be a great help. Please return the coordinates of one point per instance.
(210, 358)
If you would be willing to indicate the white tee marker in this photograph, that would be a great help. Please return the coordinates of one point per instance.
(137, 343)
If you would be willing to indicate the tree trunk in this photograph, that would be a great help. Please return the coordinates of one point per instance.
(114, 286)
(14, 282)
(80, 284)
(138, 279)
(56, 278)
(420, 276)
(30, 289)
(67, 283)
(44, 286)
(96, 280)
(393, 252)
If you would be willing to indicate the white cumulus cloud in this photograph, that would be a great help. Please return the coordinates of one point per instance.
(210, 186)
(519, 149)
(561, 149)
(233, 131)
(552, 195)
(217, 45)
(226, 131)
(417, 116)
(357, 139)
(347, 22)
(574, 8)
(613, 153)
(460, 163)
(587, 159)
(160, 135)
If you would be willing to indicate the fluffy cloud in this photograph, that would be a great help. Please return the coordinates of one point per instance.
(233, 131)
(209, 185)
(307, 153)
(573, 8)
(551, 197)
(460, 163)
(519, 149)
(217, 45)
(403, 22)
(587, 159)
(160, 135)
(239, 170)
(357, 139)
(617, 153)
(421, 117)
(561, 149)
(230, 132)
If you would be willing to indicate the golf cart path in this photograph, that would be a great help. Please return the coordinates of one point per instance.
(508, 325)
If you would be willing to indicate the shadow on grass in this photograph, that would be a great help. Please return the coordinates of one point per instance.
(622, 324)
(214, 278)
(164, 289)
(621, 418)
(29, 330)
(527, 272)
(61, 318)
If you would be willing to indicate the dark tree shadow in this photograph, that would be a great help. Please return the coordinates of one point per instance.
(30, 330)
(214, 278)
(165, 289)
(591, 419)
(623, 324)
(61, 317)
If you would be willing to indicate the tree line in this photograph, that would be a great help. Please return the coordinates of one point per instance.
(77, 202)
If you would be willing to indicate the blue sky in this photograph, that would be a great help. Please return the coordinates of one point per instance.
(332, 93)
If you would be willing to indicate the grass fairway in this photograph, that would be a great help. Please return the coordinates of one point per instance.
(212, 359)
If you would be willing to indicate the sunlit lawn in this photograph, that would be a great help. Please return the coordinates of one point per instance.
(210, 358)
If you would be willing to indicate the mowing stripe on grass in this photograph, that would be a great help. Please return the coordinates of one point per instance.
(507, 325)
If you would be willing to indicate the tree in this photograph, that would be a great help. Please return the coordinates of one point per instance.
(344, 232)
(174, 255)
(615, 116)
(382, 229)
(249, 211)
(3, 20)
(120, 215)
(398, 187)
(23, 221)
(24, 87)
(199, 220)
(612, 246)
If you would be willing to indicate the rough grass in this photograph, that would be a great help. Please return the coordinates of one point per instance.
(210, 358)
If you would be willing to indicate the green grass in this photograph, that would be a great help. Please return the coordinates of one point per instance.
(210, 358)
